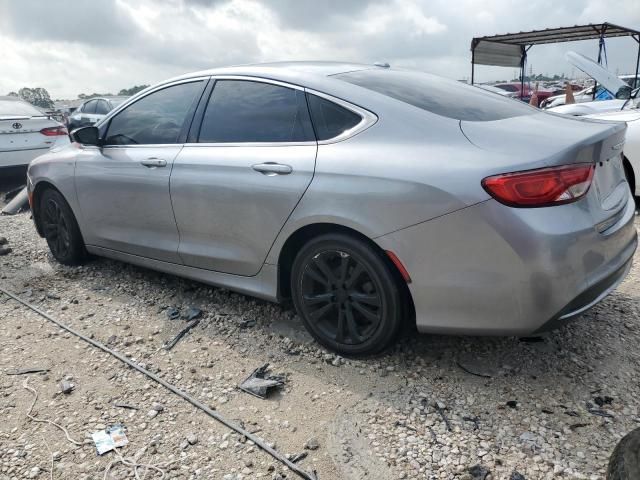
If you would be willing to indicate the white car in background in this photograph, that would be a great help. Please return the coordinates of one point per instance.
(631, 148)
(618, 86)
(26, 132)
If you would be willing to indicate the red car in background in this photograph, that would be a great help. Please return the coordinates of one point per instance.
(524, 91)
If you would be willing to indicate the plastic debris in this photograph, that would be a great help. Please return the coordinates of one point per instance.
(172, 343)
(259, 383)
(109, 439)
(192, 313)
(18, 204)
(173, 313)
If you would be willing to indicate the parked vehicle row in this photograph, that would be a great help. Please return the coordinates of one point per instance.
(354, 191)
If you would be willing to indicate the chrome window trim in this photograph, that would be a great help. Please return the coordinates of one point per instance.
(368, 118)
(147, 92)
(144, 145)
(253, 144)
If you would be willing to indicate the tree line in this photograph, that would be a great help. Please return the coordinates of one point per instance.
(39, 96)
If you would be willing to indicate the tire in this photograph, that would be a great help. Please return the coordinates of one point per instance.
(624, 463)
(61, 229)
(347, 295)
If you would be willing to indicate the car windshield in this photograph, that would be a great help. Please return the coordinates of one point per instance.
(18, 108)
(438, 95)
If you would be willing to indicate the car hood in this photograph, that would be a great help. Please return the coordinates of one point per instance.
(604, 77)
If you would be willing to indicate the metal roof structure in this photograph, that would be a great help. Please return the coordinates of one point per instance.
(510, 50)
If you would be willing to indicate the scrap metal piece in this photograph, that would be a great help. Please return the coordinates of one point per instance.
(172, 343)
(259, 383)
(19, 203)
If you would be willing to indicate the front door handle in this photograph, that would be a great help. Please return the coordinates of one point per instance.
(271, 168)
(154, 162)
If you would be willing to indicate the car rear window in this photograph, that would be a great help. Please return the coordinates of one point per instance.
(18, 108)
(438, 95)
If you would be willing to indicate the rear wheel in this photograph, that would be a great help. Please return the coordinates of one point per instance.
(624, 463)
(61, 229)
(347, 295)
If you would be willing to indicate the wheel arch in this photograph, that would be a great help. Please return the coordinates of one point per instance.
(298, 238)
(630, 173)
(38, 190)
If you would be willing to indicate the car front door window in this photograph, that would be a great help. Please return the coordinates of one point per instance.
(155, 119)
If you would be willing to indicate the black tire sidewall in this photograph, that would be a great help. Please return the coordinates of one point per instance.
(77, 250)
(381, 274)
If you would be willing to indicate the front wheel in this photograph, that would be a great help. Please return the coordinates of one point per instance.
(347, 295)
(61, 229)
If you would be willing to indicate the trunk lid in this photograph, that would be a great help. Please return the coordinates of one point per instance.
(559, 140)
(23, 133)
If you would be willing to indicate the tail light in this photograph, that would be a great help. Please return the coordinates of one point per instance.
(543, 187)
(54, 131)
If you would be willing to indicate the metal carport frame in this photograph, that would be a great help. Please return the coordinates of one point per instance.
(510, 50)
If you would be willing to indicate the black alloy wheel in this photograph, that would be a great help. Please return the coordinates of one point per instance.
(60, 229)
(347, 295)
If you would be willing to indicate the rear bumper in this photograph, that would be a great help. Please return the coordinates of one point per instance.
(20, 157)
(494, 270)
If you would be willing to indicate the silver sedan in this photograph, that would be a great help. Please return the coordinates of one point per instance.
(369, 196)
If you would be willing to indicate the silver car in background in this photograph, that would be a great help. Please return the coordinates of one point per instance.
(369, 196)
(93, 110)
(26, 132)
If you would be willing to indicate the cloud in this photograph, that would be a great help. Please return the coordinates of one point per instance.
(72, 47)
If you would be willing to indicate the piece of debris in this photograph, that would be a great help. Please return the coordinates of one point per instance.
(599, 412)
(172, 343)
(66, 387)
(172, 313)
(478, 472)
(298, 456)
(512, 404)
(109, 439)
(572, 413)
(602, 401)
(3, 240)
(259, 384)
(547, 411)
(471, 371)
(440, 407)
(5, 251)
(192, 313)
(578, 425)
(247, 324)
(474, 420)
(312, 444)
(515, 475)
(19, 203)
(125, 405)
(25, 371)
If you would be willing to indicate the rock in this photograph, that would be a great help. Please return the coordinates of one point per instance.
(312, 444)
(158, 407)
(516, 476)
(152, 413)
(512, 404)
(66, 386)
(192, 438)
(478, 472)
(34, 472)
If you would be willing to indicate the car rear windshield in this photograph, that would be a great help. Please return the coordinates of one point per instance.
(438, 95)
(18, 108)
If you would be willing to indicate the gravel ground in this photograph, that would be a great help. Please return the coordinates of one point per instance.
(435, 407)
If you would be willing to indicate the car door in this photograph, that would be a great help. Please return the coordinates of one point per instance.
(123, 186)
(251, 159)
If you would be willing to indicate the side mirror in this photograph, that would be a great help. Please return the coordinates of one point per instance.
(86, 136)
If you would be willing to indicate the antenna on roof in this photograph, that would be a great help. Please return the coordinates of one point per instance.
(382, 64)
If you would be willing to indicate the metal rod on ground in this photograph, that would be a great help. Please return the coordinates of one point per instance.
(212, 413)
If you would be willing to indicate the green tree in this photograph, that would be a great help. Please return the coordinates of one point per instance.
(127, 92)
(38, 97)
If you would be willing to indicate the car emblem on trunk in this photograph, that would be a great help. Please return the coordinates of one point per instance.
(16, 126)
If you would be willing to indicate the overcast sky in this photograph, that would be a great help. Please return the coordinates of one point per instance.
(71, 47)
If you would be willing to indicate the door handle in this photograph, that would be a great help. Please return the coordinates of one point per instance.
(154, 162)
(271, 168)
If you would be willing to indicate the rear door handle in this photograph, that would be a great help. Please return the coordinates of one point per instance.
(271, 168)
(154, 162)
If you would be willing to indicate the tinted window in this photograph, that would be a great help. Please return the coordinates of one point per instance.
(329, 119)
(90, 106)
(154, 119)
(245, 111)
(438, 95)
(102, 108)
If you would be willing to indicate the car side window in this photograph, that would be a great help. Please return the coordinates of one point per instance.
(155, 119)
(330, 119)
(102, 108)
(242, 111)
(90, 106)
